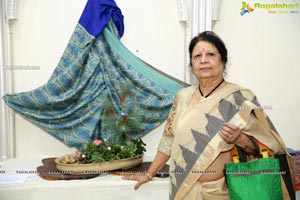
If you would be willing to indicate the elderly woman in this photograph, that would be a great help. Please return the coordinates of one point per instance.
(205, 122)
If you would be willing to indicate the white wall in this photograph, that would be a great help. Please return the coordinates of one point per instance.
(152, 32)
(264, 56)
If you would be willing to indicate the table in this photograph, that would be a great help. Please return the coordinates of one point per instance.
(108, 187)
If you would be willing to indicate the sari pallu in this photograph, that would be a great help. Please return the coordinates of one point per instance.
(196, 143)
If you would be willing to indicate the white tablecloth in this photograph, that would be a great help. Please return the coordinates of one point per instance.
(108, 187)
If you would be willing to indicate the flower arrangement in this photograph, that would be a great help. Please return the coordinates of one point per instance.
(99, 151)
(122, 145)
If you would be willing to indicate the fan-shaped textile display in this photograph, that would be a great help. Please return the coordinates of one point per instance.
(94, 66)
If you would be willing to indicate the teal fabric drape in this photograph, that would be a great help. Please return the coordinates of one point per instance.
(91, 70)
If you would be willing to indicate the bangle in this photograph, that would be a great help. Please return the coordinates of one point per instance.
(149, 176)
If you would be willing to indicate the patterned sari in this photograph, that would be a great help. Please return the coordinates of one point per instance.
(191, 139)
(92, 71)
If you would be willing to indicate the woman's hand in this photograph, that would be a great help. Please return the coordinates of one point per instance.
(159, 161)
(140, 178)
(233, 134)
(230, 133)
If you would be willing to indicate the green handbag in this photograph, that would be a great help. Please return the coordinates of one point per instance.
(254, 180)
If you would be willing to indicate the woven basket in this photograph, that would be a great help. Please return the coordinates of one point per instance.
(97, 168)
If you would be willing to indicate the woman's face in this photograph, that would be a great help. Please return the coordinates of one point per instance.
(206, 61)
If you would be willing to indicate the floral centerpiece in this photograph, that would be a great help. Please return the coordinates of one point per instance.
(99, 151)
(122, 146)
